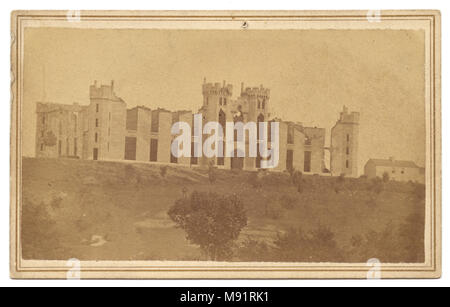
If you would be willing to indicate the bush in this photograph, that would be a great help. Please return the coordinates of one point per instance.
(386, 177)
(419, 191)
(288, 202)
(296, 178)
(163, 171)
(131, 174)
(253, 250)
(377, 185)
(39, 236)
(274, 211)
(211, 221)
(49, 139)
(212, 176)
(318, 245)
(254, 180)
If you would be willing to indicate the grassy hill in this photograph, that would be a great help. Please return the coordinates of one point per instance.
(118, 211)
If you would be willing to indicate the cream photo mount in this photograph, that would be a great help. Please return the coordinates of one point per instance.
(427, 21)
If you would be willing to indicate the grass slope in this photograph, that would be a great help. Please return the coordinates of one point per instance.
(118, 211)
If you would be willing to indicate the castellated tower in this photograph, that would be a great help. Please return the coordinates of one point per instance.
(105, 136)
(251, 105)
(344, 144)
(256, 102)
(216, 108)
(216, 100)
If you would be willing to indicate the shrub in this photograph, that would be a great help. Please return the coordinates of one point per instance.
(377, 185)
(296, 178)
(39, 235)
(49, 139)
(254, 181)
(274, 211)
(163, 171)
(288, 202)
(318, 245)
(211, 221)
(300, 187)
(254, 250)
(419, 191)
(385, 177)
(212, 176)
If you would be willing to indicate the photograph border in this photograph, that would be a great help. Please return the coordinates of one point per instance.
(212, 270)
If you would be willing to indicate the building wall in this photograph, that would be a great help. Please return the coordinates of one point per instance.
(299, 149)
(185, 116)
(345, 135)
(108, 118)
(117, 130)
(283, 147)
(370, 170)
(164, 136)
(64, 122)
(317, 141)
(139, 125)
(396, 173)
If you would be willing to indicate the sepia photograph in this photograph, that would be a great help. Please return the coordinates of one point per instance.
(238, 144)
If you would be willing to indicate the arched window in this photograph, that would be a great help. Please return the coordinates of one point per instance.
(258, 154)
(260, 119)
(222, 122)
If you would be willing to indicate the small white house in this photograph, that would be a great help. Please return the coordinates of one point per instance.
(397, 169)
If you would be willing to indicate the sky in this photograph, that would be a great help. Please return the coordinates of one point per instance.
(311, 74)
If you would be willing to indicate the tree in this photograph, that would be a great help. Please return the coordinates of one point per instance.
(163, 171)
(254, 181)
(211, 221)
(212, 173)
(296, 178)
(385, 177)
(377, 185)
(39, 235)
(49, 139)
(317, 245)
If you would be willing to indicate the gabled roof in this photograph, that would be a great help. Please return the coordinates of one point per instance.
(393, 163)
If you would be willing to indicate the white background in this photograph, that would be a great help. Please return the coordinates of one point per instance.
(8, 6)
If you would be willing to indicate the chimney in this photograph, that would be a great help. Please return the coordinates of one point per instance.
(224, 83)
(95, 83)
(112, 84)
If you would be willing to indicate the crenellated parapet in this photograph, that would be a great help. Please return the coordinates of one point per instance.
(213, 89)
(103, 91)
(348, 118)
(258, 92)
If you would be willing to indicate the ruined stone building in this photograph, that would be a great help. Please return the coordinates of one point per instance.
(106, 130)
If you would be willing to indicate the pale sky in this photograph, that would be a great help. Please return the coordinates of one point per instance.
(311, 75)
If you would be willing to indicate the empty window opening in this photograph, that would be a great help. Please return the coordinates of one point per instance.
(154, 150)
(130, 148)
(307, 162)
